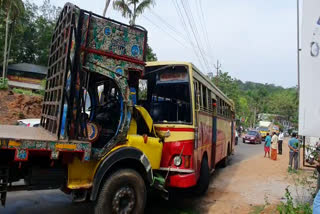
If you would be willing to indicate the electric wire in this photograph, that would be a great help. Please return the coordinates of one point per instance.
(194, 32)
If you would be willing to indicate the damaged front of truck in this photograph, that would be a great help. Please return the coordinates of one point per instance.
(94, 141)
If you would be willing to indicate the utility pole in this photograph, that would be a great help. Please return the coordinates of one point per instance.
(298, 44)
(218, 68)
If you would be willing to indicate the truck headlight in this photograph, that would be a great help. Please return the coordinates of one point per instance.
(177, 160)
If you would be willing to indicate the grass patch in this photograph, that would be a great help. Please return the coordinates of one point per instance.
(4, 83)
(290, 208)
(257, 209)
(25, 92)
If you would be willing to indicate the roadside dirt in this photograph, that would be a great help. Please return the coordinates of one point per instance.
(250, 183)
(18, 106)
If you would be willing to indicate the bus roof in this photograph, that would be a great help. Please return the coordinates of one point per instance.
(209, 83)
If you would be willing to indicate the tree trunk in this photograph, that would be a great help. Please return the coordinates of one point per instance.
(9, 48)
(133, 21)
(6, 44)
(254, 117)
(106, 7)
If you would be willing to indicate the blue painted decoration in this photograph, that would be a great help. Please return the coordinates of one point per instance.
(135, 50)
(107, 31)
(119, 70)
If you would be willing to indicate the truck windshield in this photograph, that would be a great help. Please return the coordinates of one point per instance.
(168, 94)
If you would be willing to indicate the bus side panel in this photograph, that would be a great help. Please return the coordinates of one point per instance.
(223, 138)
(204, 138)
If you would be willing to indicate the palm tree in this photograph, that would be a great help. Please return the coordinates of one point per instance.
(124, 6)
(13, 9)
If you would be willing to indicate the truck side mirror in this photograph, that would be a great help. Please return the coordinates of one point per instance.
(167, 134)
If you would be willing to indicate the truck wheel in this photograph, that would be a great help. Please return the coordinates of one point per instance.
(204, 179)
(123, 192)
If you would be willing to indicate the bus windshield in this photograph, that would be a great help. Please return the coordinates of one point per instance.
(168, 94)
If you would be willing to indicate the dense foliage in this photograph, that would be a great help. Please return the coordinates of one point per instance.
(253, 98)
(31, 33)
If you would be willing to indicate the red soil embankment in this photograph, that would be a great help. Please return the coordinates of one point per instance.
(18, 106)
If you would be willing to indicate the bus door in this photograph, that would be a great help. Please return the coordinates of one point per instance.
(214, 131)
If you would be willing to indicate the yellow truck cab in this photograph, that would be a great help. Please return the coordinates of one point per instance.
(263, 131)
(94, 142)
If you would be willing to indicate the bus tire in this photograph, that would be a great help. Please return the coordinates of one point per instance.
(204, 179)
(124, 191)
(225, 161)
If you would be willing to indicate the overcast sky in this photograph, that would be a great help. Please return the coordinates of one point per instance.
(255, 40)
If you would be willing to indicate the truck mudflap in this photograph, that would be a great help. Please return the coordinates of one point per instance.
(24, 140)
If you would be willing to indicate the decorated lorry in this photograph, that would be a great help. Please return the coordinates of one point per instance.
(94, 142)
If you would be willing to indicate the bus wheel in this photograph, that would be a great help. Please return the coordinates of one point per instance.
(204, 179)
(123, 192)
(225, 161)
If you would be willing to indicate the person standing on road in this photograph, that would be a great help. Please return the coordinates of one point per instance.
(281, 137)
(274, 146)
(293, 155)
(267, 144)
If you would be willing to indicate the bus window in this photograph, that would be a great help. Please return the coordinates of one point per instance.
(204, 97)
(196, 95)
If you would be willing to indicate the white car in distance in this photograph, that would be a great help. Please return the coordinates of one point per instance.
(29, 122)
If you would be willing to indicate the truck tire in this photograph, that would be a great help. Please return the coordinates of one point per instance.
(124, 191)
(204, 179)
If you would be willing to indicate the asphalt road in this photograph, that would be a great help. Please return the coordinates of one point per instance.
(54, 201)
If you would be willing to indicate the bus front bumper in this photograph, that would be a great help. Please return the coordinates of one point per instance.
(182, 180)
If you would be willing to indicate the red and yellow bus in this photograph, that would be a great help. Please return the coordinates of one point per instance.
(198, 118)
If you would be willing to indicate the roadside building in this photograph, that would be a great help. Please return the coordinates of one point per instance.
(25, 75)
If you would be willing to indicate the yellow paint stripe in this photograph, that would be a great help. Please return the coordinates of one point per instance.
(66, 146)
(14, 143)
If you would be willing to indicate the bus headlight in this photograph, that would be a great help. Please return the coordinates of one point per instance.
(177, 161)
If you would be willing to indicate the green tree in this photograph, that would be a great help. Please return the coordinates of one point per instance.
(150, 55)
(285, 103)
(33, 33)
(13, 9)
(228, 86)
(252, 98)
(132, 8)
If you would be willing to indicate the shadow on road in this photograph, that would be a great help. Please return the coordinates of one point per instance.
(54, 201)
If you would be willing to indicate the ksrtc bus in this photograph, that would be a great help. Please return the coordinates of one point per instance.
(198, 118)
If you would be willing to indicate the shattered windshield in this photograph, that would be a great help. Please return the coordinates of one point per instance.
(169, 94)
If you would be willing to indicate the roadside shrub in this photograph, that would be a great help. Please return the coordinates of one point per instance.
(3, 83)
(25, 92)
(290, 208)
(43, 86)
